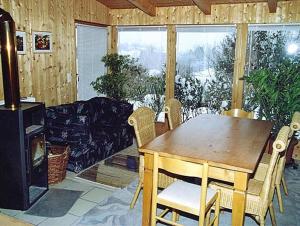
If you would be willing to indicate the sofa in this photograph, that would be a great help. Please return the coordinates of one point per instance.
(94, 129)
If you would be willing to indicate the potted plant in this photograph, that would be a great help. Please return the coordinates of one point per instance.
(114, 83)
(128, 80)
(275, 94)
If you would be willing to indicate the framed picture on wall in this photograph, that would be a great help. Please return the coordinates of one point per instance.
(42, 42)
(21, 42)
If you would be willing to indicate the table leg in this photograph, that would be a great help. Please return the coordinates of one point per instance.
(239, 198)
(147, 195)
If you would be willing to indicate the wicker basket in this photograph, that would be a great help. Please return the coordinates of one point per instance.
(57, 163)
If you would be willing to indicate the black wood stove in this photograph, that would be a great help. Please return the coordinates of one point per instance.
(23, 154)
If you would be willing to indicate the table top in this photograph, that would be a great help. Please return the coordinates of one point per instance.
(222, 141)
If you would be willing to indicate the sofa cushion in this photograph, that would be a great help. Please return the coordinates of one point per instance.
(110, 111)
(68, 135)
(65, 121)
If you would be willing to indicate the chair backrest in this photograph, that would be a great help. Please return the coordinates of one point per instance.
(182, 168)
(294, 127)
(142, 121)
(238, 113)
(295, 124)
(173, 110)
(279, 145)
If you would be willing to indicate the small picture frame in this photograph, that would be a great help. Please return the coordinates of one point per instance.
(42, 42)
(21, 42)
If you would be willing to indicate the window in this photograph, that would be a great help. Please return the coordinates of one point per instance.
(148, 45)
(205, 62)
(268, 46)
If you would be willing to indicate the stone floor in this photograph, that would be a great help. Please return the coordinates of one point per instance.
(93, 194)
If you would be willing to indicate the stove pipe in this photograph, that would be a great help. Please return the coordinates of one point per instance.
(9, 61)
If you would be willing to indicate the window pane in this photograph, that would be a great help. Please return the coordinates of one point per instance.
(149, 46)
(268, 47)
(205, 58)
(272, 81)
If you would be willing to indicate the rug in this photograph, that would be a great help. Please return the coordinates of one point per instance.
(116, 171)
(123, 161)
(115, 211)
(55, 203)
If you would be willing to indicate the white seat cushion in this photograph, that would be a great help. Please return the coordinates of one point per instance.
(185, 194)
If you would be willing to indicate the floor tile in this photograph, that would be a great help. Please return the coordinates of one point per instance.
(11, 212)
(81, 207)
(95, 184)
(66, 220)
(77, 221)
(30, 218)
(73, 185)
(96, 195)
(70, 174)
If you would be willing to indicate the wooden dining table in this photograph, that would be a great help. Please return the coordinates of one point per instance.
(231, 146)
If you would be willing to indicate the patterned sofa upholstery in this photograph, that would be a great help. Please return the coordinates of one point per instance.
(94, 129)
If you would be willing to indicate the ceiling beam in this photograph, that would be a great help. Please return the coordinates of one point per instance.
(204, 6)
(145, 6)
(272, 4)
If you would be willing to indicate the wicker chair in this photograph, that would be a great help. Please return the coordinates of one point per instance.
(183, 196)
(238, 113)
(173, 110)
(259, 194)
(142, 121)
(265, 161)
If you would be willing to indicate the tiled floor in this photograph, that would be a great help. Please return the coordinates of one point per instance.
(91, 196)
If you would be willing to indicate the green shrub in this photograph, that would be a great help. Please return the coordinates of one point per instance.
(275, 94)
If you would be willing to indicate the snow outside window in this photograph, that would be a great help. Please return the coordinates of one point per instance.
(204, 68)
(148, 45)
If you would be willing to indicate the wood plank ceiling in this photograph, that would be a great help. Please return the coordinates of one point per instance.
(149, 6)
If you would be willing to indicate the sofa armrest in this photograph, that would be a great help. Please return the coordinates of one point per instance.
(125, 109)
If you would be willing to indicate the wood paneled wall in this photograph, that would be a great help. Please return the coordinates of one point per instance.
(44, 76)
(287, 12)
